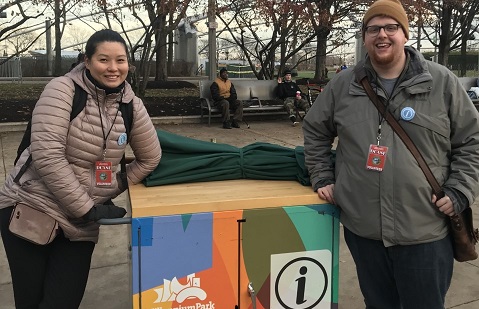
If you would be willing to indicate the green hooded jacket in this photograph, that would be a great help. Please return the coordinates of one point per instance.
(394, 205)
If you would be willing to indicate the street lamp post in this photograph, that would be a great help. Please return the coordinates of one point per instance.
(49, 54)
(478, 59)
(212, 25)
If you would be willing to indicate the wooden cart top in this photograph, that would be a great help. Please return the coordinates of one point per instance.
(218, 196)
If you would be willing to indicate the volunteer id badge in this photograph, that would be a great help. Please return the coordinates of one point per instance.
(376, 157)
(103, 173)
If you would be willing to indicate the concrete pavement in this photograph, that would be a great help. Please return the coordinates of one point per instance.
(108, 285)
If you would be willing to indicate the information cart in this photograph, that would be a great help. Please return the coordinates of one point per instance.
(247, 244)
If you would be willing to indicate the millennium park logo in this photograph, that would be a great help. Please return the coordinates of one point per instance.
(182, 296)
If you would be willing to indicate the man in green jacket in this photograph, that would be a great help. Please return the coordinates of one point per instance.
(395, 227)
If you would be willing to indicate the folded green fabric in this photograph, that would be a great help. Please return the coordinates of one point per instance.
(188, 160)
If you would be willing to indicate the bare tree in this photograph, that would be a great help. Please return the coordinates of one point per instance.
(141, 50)
(22, 42)
(293, 25)
(166, 14)
(469, 30)
(12, 26)
(163, 18)
(102, 4)
(324, 15)
(447, 24)
(77, 37)
(285, 37)
(60, 9)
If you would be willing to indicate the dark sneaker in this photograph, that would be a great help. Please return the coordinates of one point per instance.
(235, 124)
(293, 120)
(226, 125)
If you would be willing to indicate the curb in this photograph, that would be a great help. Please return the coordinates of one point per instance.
(13, 126)
(6, 127)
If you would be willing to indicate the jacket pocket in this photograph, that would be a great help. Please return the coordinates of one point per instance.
(434, 124)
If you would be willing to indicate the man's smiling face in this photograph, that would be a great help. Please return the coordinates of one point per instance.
(384, 49)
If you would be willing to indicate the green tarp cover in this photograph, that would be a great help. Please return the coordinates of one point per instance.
(188, 160)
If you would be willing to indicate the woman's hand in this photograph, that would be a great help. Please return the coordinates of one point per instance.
(104, 211)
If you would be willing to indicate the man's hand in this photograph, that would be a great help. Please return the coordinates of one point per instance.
(280, 80)
(327, 193)
(444, 205)
(102, 211)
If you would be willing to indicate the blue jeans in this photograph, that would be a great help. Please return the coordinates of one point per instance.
(402, 277)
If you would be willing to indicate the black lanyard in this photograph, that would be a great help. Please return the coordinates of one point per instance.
(386, 105)
(105, 137)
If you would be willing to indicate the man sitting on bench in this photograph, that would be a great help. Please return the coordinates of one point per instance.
(290, 93)
(224, 96)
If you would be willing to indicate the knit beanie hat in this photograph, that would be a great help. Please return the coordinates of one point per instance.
(391, 8)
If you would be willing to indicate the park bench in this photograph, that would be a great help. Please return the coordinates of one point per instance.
(253, 93)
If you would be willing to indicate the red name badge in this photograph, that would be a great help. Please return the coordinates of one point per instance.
(103, 173)
(376, 157)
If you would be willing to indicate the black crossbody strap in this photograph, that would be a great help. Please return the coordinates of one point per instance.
(404, 137)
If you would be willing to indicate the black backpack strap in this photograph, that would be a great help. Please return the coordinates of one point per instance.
(25, 141)
(78, 104)
(79, 101)
(123, 175)
(126, 110)
(23, 169)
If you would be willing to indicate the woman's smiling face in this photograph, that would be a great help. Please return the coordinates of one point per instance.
(109, 64)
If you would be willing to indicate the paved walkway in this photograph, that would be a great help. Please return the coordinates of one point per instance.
(108, 286)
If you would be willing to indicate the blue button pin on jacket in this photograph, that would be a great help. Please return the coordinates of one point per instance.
(407, 113)
(122, 139)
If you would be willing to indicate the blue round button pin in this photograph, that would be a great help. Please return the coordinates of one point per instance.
(122, 139)
(407, 113)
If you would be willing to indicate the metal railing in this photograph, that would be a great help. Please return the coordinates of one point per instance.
(11, 69)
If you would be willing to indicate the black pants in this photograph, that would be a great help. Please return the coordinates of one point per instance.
(235, 106)
(53, 276)
(402, 277)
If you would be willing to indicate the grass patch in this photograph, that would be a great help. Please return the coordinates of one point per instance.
(169, 93)
(16, 91)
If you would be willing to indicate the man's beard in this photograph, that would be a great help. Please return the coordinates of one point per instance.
(383, 59)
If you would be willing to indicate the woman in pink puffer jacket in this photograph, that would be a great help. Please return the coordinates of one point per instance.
(62, 178)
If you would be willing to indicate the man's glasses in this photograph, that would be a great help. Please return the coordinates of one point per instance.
(390, 29)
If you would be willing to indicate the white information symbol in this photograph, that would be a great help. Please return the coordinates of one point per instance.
(301, 280)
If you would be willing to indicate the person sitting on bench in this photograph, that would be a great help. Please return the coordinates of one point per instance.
(224, 96)
(291, 95)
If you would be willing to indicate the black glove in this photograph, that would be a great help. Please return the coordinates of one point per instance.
(102, 211)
